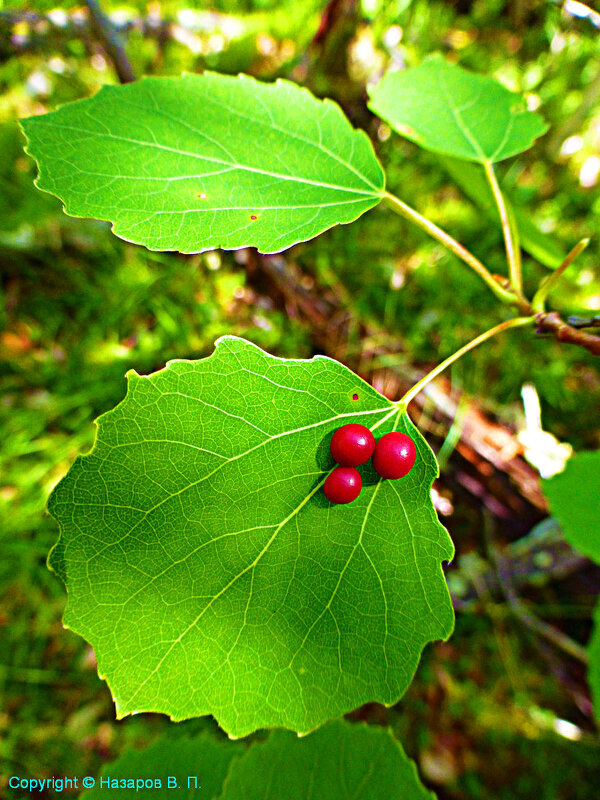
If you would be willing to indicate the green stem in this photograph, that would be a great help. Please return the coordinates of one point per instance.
(510, 323)
(514, 259)
(515, 237)
(539, 300)
(455, 247)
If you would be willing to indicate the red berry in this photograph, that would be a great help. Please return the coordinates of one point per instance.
(395, 455)
(343, 485)
(352, 445)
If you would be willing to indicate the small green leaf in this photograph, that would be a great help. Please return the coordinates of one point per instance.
(594, 662)
(574, 499)
(472, 181)
(206, 161)
(339, 762)
(210, 574)
(202, 757)
(448, 110)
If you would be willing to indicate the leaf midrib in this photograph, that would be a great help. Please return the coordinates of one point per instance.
(269, 126)
(210, 159)
(394, 410)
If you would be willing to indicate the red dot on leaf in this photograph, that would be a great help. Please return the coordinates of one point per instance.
(253, 217)
(355, 397)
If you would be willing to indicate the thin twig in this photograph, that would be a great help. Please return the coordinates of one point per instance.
(110, 41)
(510, 323)
(553, 323)
(538, 626)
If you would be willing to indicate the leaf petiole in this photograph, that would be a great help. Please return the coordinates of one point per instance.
(451, 244)
(511, 323)
(514, 257)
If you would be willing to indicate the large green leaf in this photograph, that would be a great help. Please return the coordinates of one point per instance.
(574, 498)
(205, 161)
(177, 759)
(208, 570)
(448, 110)
(471, 179)
(339, 762)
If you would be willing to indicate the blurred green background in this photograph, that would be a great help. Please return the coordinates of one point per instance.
(79, 308)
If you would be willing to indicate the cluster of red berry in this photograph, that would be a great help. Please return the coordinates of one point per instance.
(351, 445)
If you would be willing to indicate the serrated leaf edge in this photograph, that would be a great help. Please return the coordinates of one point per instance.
(377, 194)
(122, 710)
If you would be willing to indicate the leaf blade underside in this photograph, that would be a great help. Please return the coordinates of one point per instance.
(206, 161)
(210, 574)
(574, 499)
(338, 762)
(369, 762)
(167, 759)
(446, 109)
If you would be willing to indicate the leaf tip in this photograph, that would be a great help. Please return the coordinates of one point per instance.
(120, 711)
(229, 338)
(133, 376)
(410, 133)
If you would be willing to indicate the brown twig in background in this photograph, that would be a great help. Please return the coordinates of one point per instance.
(329, 19)
(110, 40)
(526, 616)
(551, 322)
(574, 122)
(26, 31)
(566, 672)
(535, 560)
(488, 460)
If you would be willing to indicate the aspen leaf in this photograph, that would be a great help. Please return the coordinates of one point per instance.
(205, 161)
(210, 573)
